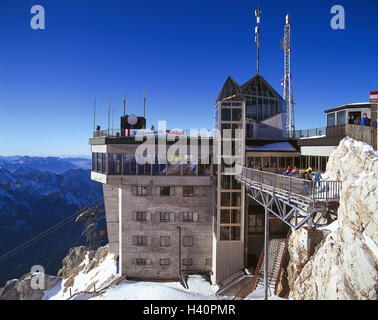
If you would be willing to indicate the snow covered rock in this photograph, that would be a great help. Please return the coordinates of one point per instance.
(84, 272)
(345, 264)
(22, 289)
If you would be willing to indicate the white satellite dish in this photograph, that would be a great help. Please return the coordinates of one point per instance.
(132, 120)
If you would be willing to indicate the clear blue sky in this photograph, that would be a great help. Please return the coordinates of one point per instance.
(180, 51)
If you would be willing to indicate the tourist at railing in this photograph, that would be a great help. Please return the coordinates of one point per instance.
(288, 171)
(317, 178)
(364, 120)
(293, 172)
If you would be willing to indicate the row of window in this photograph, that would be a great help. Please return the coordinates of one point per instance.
(188, 191)
(165, 241)
(141, 216)
(126, 164)
(167, 261)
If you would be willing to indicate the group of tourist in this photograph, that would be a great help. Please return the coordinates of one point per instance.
(307, 175)
(365, 121)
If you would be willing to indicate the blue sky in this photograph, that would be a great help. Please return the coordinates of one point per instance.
(181, 52)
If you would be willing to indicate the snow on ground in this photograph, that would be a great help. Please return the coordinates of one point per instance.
(101, 275)
(259, 294)
(313, 137)
(199, 289)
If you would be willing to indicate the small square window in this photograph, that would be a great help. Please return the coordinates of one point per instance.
(165, 241)
(165, 191)
(188, 191)
(165, 216)
(188, 217)
(208, 261)
(141, 216)
(164, 262)
(140, 261)
(141, 240)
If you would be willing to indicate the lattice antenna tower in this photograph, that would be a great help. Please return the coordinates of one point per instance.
(257, 36)
(286, 46)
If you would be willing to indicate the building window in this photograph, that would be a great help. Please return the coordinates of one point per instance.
(141, 240)
(188, 216)
(165, 191)
(140, 261)
(188, 241)
(188, 191)
(208, 261)
(164, 262)
(165, 216)
(331, 119)
(140, 190)
(236, 114)
(165, 241)
(226, 114)
(187, 261)
(141, 216)
(341, 117)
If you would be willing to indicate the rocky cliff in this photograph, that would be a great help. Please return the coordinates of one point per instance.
(345, 262)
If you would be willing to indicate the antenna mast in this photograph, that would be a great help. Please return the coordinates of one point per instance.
(257, 35)
(288, 81)
(124, 104)
(144, 113)
(94, 116)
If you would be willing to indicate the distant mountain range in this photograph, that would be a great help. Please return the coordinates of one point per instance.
(51, 164)
(36, 193)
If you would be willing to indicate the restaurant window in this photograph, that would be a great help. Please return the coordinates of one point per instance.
(341, 117)
(330, 119)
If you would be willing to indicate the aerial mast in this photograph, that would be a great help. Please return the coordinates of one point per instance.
(288, 81)
(257, 35)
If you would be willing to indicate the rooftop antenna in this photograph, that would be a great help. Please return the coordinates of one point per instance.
(124, 104)
(144, 113)
(108, 116)
(257, 34)
(113, 120)
(94, 115)
(288, 81)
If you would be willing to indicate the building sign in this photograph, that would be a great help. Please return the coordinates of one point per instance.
(373, 97)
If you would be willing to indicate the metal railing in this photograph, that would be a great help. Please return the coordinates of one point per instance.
(306, 133)
(134, 132)
(291, 186)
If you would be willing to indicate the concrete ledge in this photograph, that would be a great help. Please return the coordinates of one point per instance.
(151, 180)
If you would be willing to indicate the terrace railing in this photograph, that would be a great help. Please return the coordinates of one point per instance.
(291, 187)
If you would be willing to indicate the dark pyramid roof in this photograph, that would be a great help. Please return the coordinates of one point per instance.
(230, 91)
(257, 85)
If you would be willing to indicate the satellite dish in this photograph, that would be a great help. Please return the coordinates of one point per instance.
(132, 120)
